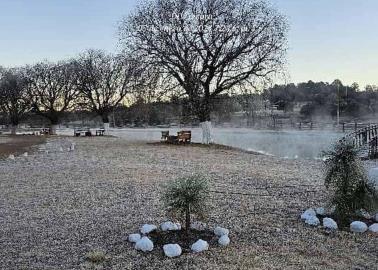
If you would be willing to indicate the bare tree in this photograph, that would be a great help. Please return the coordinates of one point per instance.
(52, 89)
(13, 99)
(105, 80)
(207, 47)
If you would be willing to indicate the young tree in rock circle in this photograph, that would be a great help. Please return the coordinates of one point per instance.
(52, 89)
(13, 97)
(207, 47)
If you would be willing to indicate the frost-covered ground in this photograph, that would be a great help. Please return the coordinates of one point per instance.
(287, 144)
(56, 206)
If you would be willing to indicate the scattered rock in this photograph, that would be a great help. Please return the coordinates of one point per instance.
(219, 231)
(172, 250)
(312, 221)
(144, 244)
(134, 237)
(358, 227)
(308, 213)
(224, 240)
(320, 211)
(170, 226)
(330, 224)
(374, 228)
(200, 246)
(11, 157)
(147, 228)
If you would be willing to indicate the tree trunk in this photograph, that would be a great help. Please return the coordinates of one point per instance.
(53, 128)
(13, 129)
(206, 132)
(105, 121)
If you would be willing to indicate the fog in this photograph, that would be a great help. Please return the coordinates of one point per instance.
(286, 144)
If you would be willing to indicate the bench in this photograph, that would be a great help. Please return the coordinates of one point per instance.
(100, 132)
(82, 132)
(183, 136)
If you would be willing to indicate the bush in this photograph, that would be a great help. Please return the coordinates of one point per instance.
(346, 177)
(186, 196)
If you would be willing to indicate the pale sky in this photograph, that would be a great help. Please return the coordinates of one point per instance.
(328, 39)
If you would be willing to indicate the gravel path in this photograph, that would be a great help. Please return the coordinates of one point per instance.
(55, 207)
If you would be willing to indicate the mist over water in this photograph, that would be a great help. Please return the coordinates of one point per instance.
(286, 144)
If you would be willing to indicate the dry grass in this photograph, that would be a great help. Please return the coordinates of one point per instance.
(57, 206)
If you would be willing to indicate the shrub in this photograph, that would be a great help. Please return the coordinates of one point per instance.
(346, 177)
(186, 196)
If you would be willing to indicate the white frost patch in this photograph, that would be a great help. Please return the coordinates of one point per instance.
(313, 221)
(172, 250)
(374, 228)
(134, 237)
(144, 244)
(147, 228)
(358, 227)
(219, 231)
(330, 224)
(308, 214)
(224, 240)
(200, 246)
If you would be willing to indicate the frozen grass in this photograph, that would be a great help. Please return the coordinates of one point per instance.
(57, 206)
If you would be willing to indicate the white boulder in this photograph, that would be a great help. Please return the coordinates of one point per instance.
(200, 246)
(376, 217)
(134, 237)
(329, 223)
(320, 211)
(224, 240)
(219, 231)
(358, 227)
(170, 226)
(147, 228)
(144, 244)
(25, 154)
(172, 250)
(312, 221)
(374, 228)
(11, 157)
(308, 214)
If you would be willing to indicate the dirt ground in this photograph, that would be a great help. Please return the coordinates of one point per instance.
(55, 207)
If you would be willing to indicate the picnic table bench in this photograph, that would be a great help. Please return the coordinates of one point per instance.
(82, 132)
(100, 132)
(183, 136)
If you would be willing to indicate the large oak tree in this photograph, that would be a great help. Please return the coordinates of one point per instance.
(207, 47)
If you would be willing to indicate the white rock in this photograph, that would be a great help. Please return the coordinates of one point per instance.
(358, 226)
(363, 213)
(374, 228)
(376, 217)
(134, 237)
(219, 231)
(72, 147)
(320, 211)
(313, 221)
(330, 224)
(144, 244)
(11, 157)
(330, 210)
(308, 213)
(200, 246)
(172, 250)
(373, 175)
(147, 228)
(224, 240)
(25, 154)
(60, 149)
(170, 226)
